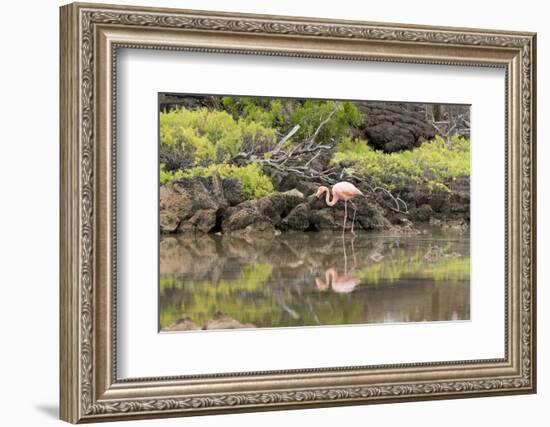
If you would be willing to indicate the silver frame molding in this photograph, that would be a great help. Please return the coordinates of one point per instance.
(90, 37)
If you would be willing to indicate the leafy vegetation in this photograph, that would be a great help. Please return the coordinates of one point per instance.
(210, 139)
(167, 176)
(202, 142)
(312, 113)
(434, 164)
(284, 114)
(210, 136)
(254, 182)
(267, 111)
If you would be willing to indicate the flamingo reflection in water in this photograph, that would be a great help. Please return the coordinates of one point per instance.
(339, 283)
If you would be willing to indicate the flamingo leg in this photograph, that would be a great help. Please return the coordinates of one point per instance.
(353, 252)
(354, 206)
(345, 255)
(345, 216)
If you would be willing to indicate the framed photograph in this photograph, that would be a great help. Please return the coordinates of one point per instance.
(267, 212)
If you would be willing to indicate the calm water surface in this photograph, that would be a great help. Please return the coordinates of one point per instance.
(315, 278)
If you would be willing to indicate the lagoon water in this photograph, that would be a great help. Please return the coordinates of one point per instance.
(315, 278)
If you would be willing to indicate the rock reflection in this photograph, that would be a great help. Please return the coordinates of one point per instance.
(301, 279)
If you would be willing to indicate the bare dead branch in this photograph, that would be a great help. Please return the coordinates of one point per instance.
(451, 124)
(313, 158)
(395, 199)
(286, 138)
(324, 122)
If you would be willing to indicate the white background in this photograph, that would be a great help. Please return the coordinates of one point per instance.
(29, 171)
(145, 353)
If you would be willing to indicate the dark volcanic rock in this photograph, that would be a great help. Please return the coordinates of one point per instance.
(307, 188)
(458, 225)
(423, 213)
(369, 216)
(273, 207)
(284, 182)
(185, 324)
(203, 220)
(405, 227)
(169, 101)
(298, 218)
(460, 199)
(424, 203)
(262, 214)
(323, 219)
(246, 219)
(180, 200)
(394, 126)
(232, 191)
(172, 208)
(277, 206)
(206, 205)
(196, 204)
(223, 321)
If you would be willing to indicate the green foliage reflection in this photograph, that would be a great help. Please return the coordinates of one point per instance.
(269, 295)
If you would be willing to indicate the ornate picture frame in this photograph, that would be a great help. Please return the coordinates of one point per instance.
(90, 37)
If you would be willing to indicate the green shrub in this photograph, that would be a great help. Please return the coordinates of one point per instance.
(313, 112)
(210, 136)
(284, 114)
(265, 111)
(433, 164)
(167, 176)
(253, 181)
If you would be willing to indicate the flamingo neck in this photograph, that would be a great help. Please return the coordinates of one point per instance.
(327, 198)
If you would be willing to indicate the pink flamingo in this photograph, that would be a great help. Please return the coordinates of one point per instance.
(341, 284)
(341, 191)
